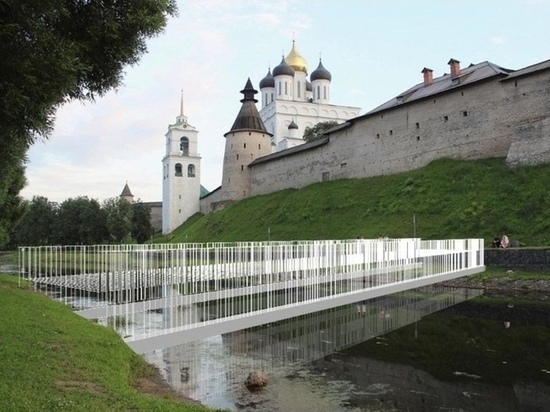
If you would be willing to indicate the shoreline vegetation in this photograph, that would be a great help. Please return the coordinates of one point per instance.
(54, 360)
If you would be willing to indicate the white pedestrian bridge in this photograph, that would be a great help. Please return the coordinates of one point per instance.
(161, 295)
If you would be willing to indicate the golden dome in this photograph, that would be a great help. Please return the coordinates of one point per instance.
(296, 60)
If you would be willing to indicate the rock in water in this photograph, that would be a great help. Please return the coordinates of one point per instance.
(255, 380)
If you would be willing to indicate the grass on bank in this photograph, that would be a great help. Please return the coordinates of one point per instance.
(449, 199)
(54, 360)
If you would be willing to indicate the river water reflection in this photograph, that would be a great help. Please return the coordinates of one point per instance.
(341, 360)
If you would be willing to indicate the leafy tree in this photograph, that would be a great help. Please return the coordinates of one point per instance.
(12, 180)
(316, 132)
(36, 226)
(80, 221)
(118, 213)
(142, 228)
(53, 51)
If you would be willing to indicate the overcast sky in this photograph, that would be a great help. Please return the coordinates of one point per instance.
(375, 49)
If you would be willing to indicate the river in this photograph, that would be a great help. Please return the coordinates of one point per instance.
(425, 350)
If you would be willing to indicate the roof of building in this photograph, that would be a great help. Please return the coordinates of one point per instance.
(126, 191)
(320, 73)
(294, 58)
(467, 76)
(268, 80)
(204, 191)
(249, 117)
(545, 65)
(292, 125)
(290, 151)
(283, 69)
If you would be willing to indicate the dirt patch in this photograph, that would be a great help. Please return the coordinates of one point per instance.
(157, 386)
(79, 386)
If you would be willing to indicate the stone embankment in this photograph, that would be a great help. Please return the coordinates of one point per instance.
(506, 285)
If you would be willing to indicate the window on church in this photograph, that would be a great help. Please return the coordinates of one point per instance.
(286, 88)
(242, 168)
(178, 169)
(191, 171)
(324, 92)
(237, 157)
(184, 146)
(279, 84)
(299, 92)
(318, 92)
(271, 96)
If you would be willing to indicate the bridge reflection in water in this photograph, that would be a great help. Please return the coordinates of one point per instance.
(219, 365)
(207, 290)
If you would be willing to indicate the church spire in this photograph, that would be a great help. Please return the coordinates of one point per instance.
(181, 119)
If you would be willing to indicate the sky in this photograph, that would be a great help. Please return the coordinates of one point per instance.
(374, 49)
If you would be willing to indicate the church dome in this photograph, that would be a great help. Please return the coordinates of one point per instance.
(292, 125)
(268, 80)
(283, 69)
(320, 73)
(294, 58)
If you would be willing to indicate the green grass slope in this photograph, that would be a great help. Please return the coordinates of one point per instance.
(449, 199)
(53, 360)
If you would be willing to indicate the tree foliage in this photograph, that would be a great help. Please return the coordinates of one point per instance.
(81, 221)
(36, 227)
(53, 51)
(142, 228)
(316, 132)
(118, 213)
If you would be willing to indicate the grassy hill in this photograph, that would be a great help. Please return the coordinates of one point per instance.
(448, 198)
(55, 360)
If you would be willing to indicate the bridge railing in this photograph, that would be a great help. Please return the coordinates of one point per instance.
(117, 274)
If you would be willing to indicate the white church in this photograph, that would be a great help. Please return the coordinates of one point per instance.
(290, 103)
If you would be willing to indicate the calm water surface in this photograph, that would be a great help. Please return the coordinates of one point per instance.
(342, 359)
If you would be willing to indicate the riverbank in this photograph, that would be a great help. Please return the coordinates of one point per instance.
(53, 359)
(500, 281)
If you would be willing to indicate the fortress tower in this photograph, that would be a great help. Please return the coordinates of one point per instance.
(180, 174)
(247, 140)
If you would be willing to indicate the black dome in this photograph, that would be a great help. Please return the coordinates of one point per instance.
(320, 73)
(283, 69)
(268, 80)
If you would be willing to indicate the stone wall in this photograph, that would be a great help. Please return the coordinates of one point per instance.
(491, 118)
(519, 258)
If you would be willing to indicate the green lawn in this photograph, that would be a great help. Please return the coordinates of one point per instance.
(54, 360)
(448, 199)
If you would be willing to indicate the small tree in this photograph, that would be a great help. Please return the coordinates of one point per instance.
(142, 228)
(119, 218)
(316, 132)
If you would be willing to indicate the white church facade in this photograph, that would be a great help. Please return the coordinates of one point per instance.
(290, 102)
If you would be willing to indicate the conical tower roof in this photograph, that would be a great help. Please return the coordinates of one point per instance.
(126, 191)
(248, 117)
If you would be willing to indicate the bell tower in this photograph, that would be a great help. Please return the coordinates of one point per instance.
(180, 173)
